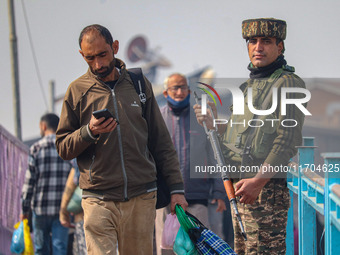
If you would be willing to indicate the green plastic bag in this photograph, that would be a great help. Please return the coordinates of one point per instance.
(74, 206)
(183, 245)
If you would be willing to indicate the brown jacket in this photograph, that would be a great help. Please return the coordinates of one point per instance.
(121, 164)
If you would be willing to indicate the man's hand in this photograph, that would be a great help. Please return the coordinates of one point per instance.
(23, 216)
(249, 189)
(220, 205)
(99, 126)
(178, 199)
(64, 218)
(206, 117)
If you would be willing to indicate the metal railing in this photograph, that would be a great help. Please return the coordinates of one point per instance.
(318, 190)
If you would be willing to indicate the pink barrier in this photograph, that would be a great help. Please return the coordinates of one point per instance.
(13, 164)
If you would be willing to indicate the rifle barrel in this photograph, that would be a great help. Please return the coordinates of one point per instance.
(228, 185)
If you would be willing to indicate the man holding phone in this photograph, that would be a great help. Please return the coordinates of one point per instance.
(117, 163)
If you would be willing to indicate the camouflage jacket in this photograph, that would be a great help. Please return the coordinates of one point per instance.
(276, 138)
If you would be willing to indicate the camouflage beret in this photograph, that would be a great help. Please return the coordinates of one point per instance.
(267, 27)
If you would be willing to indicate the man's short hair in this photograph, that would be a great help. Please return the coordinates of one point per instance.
(51, 121)
(166, 80)
(103, 31)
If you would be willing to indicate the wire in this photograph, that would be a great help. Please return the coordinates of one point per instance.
(33, 53)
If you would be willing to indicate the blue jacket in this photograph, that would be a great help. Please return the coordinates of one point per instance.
(193, 149)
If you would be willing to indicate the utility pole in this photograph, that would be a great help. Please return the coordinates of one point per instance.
(15, 69)
(52, 96)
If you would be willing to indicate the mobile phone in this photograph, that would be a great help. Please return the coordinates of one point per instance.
(104, 113)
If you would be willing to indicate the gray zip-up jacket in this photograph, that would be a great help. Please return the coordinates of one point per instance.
(121, 164)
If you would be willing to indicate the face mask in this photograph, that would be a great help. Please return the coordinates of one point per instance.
(179, 104)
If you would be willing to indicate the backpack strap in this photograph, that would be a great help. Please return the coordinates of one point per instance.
(137, 78)
(163, 192)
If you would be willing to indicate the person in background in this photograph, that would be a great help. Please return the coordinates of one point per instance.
(193, 149)
(79, 244)
(43, 188)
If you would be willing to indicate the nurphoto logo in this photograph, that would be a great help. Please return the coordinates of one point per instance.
(204, 97)
(239, 102)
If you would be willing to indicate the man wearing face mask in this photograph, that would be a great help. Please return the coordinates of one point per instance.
(193, 149)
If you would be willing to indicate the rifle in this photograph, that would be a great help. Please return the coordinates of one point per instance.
(228, 185)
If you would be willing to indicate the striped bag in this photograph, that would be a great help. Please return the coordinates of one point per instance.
(206, 241)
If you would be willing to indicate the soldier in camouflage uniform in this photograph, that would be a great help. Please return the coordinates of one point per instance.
(263, 197)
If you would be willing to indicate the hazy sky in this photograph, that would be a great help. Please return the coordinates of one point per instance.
(191, 34)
